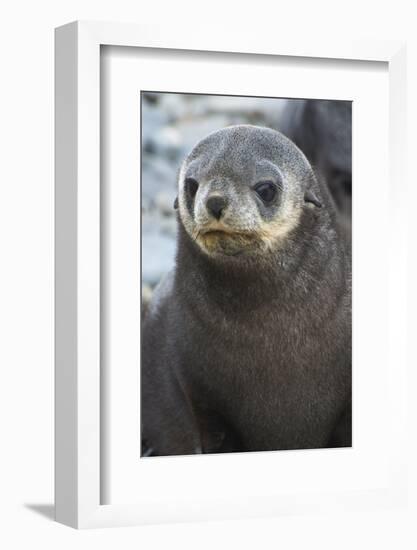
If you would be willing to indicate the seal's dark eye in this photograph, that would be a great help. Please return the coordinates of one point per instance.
(191, 186)
(266, 190)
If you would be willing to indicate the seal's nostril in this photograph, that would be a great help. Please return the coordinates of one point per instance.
(216, 206)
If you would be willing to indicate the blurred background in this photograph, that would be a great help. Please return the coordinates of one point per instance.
(173, 123)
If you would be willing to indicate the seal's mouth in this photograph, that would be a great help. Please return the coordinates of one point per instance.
(225, 241)
(222, 230)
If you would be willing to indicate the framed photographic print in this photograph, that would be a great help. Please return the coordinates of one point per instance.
(229, 331)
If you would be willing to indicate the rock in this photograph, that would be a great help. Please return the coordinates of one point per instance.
(164, 201)
(169, 226)
(158, 256)
(167, 142)
(158, 176)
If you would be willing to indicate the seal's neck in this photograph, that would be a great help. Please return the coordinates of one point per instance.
(230, 279)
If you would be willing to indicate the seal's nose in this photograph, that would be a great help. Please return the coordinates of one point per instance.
(216, 206)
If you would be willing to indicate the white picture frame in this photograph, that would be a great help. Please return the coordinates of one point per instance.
(78, 405)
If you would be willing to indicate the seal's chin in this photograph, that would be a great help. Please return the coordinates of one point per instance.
(226, 242)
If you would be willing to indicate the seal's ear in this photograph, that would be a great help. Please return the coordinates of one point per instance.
(176, 203)
(310, 197)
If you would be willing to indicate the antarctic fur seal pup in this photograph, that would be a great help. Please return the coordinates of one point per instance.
(246, 344)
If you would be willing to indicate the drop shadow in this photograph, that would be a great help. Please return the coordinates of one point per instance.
(45, 510)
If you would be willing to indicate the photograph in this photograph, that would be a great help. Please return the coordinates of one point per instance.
(208, 266)
(245, 274)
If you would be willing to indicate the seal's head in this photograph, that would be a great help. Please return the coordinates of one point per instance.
(242, 191)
